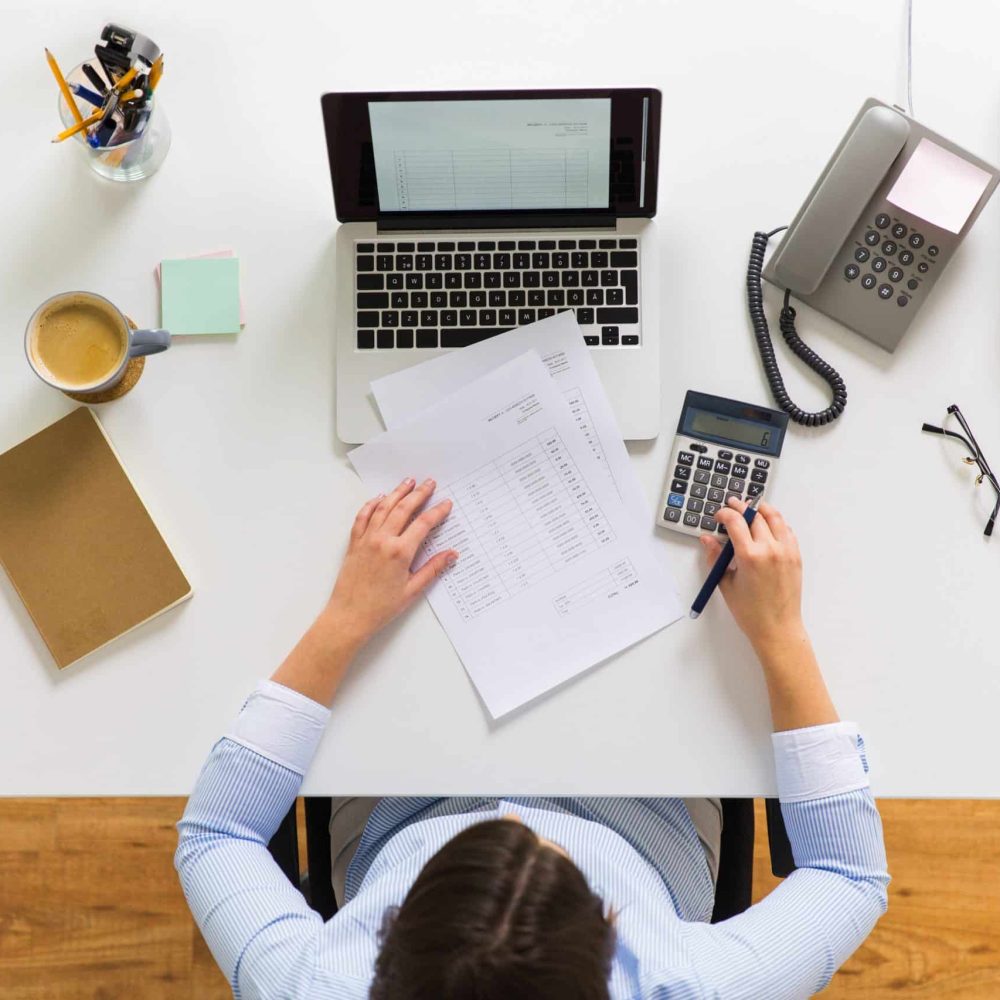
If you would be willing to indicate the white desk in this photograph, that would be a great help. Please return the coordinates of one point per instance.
(231, 440)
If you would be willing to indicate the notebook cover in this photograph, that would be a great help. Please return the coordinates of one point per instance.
(77, 541)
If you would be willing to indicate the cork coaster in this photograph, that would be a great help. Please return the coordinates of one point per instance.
(133, 372)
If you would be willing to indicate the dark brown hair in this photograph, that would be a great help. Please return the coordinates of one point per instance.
(496, 915)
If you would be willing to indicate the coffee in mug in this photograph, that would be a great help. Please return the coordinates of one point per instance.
(81, 342)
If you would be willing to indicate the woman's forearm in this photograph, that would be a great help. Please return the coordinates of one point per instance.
(319, 661)
(795, 686)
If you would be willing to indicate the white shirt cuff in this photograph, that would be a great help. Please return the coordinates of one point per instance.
(819, 761)
(282, 725)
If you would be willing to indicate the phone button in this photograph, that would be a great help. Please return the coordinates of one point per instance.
(916, 241)
(862, 254)
(895, 274)
(881, 220)
(902, 300)
(889, 248)
(851, 271)
(885, 291)
(905, 257)
(899, 230)
(868, 281)
(923, 267)
(872, 237)
(932, 251)
(878, 265)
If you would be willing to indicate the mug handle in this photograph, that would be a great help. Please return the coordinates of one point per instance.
(148, 342)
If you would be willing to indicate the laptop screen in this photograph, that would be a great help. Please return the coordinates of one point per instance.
(440, 156)
(474, 158)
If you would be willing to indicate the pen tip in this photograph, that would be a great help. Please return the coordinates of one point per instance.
(694, 614)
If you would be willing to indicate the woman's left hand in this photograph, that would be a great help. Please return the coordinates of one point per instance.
(375, 582)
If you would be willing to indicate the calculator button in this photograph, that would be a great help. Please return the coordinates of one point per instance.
(895, 274)
(732, 496)
(885, 291)
(698, 447)
(682, 472)
(899, 230)
(722, 467)
(932, 251)
(726, 456)
(878, 265)
(862, 254)
(691, 519)
(889, 248)
(758, 476)
(923, 267)
(737, 484)
(722, 530)
(913, 284)
(719, 482)
(685, 458)
(704, 462)
(678, 486)
(671, 514)
(716, 496)
(761, 463)
(741, 471)
(905, 257)
(881, 220)
(698, 491)
(709, 523)
(755, 489)
(851, 271)
(701, 477)
(675, 500)
(872, 238)
(743, 459)
(916, 241)
(695, 504)
(869, 281)
(711, 509)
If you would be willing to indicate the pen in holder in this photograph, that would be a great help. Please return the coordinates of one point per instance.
(128, 149)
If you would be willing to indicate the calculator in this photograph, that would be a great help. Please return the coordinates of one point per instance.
(723, 448)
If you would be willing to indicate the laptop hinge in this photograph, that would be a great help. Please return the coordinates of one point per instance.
(500, 220)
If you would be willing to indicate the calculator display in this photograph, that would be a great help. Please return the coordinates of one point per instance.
(716, 426)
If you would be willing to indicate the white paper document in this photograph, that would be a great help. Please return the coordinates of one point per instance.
(554, 574)
(557, 339)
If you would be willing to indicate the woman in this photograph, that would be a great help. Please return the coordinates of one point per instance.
(530, 898)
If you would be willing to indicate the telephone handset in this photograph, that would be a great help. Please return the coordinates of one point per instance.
(879, 226)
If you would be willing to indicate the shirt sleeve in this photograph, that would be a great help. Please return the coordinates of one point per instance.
(259, 927)
(790, 944)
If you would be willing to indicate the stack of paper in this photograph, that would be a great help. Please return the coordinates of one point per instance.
(201, 294)
(558, 569)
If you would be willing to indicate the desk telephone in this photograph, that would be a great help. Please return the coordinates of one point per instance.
(879, 226)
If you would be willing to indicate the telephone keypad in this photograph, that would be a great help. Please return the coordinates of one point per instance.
(909, 241)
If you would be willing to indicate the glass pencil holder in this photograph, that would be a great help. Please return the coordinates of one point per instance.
(128, 156)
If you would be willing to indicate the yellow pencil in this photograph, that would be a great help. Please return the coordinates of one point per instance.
(156, 72)
(79, 126)
(133, 95)
(61, 80)
(124, 81)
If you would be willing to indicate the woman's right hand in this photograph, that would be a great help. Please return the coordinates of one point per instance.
(764, 588)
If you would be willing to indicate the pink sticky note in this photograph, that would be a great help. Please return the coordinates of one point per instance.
(211, 255)
(939, 187)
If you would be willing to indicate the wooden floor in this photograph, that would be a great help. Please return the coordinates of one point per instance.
(90, 906)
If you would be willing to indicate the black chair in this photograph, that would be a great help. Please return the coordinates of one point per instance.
(733, 890)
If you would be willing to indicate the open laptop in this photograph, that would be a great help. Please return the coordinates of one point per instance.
(468, 213)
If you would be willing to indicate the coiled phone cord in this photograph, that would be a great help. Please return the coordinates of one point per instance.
(786, 322)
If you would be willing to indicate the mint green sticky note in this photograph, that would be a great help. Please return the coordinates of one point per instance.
(200, 296)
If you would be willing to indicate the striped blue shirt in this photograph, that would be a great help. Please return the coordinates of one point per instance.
(642, 856)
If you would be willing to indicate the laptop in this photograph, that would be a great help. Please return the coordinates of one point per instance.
(468, 213)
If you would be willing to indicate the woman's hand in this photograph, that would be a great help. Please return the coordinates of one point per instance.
(764, 589)
(375, 582)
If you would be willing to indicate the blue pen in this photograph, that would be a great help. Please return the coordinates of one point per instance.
(716, 573)
(88, 95)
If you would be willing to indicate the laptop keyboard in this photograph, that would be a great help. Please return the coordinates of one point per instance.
(453, 293)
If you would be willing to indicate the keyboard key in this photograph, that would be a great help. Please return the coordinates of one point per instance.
(404, 338)
(595, 297)
(570, 279)
(501, 261)
(399, 300)
(364, 264)
(507, 317)
(386, 247)
(366, 319)
(487, 245)
(589, 279)
(443, 261)
(732, 496)
(536, 297)
(414, 281)
(678, 486)
(588, 244)
(385, 339)
(585, 316)
(465, 338)
(365, 247)
(427, 338)
(405, 247)
(599, 259)
(521, 261)
(555, 297)
(465, 246)
(468, 317)
(525, 316)
(390, 317)
(630, 282)
(578, 259)
(628, 244)
(458, 300)
(546, 244)
(488, 317)
(446, 247)
(761, 463)
(423, 261)
(613, 296)
(384, 262)
(560, 260)
(525, 244)
(550, 279)
(711, 509)
(497, 299)
(418, 300)
(433, 280)
(409, 317)
(609, 336)
(618, 314)
(449, 317)
(506, 245)
(395, 280)
(726, 456)
(481, 261)
(625, 259)
(452, 280)
(609, 278)
(368, 282)
(491, 279)
(463, 262)
(531, 279)
(545, 313)
(743, 459)
(567, 244)
(574, 297)
(472, 279)
(511, 279)
(607, 244)
(425, 248)
(429, 317)
(366, 339)
(517, 297)
(404, 262)
(591, 341)
(438, 300)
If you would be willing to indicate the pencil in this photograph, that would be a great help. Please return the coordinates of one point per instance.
(79, 126)
(133, 95)
(124, 81)
(61, 80)
(156, 72)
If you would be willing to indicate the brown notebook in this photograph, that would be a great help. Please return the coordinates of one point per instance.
(78, 543)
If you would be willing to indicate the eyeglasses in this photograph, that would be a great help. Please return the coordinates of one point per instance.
(975, 457)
